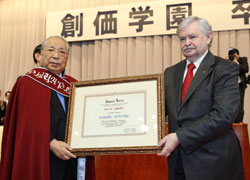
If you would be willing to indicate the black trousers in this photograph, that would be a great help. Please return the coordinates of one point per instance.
(240, 114)
(179, 171)
(70, 173)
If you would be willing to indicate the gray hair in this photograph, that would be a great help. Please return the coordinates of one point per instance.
(203, 23)
(46, 41)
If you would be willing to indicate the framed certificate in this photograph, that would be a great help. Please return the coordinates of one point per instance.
(116, 116)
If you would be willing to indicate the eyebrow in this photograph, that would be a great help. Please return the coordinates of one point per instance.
(61, 48)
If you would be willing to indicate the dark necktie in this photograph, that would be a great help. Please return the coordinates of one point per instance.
(187, 81)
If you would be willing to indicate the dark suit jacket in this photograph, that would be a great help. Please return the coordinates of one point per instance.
(57, 131)
(243, 69)
(208, 147)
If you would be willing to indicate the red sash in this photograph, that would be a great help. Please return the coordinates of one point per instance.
(49, 80)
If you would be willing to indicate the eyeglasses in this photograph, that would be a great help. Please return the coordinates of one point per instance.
(52, 51)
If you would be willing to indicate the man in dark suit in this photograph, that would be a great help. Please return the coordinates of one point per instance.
(3, 106)
(202, 100)
(7, 96)
(234, 55)
(60, 162)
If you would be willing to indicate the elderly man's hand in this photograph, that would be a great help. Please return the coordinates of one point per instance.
(169, 143)
(61, 150)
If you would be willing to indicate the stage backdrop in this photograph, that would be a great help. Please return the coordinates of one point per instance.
(144, 19)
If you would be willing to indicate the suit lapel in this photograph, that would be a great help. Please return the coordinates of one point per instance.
(202, 72)
(55, 102)
(178, 80)
(66, 100)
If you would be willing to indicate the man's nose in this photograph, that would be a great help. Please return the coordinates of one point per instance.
(55, 54)
(187, 42)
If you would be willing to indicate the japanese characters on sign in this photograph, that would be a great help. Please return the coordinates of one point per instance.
(241, 10)
(141, 15)
(71, 25)
(106, 22)
(176, 13)
(145, 18)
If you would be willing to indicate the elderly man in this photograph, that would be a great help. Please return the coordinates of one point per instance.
(33, 144)
(202, 100)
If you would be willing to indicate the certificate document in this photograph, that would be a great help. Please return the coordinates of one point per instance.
(116, 116)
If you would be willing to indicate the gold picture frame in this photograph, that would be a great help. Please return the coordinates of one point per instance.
(116, 116)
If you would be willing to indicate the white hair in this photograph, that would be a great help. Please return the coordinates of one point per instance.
(203, 23)
(46, 40)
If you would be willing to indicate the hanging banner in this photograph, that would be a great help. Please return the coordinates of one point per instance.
(145, 18)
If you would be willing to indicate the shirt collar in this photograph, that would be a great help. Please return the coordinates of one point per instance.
(198, 61)
(62, 74)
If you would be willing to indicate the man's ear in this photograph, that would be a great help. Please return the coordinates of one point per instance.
(38, 57)
(209, 37)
